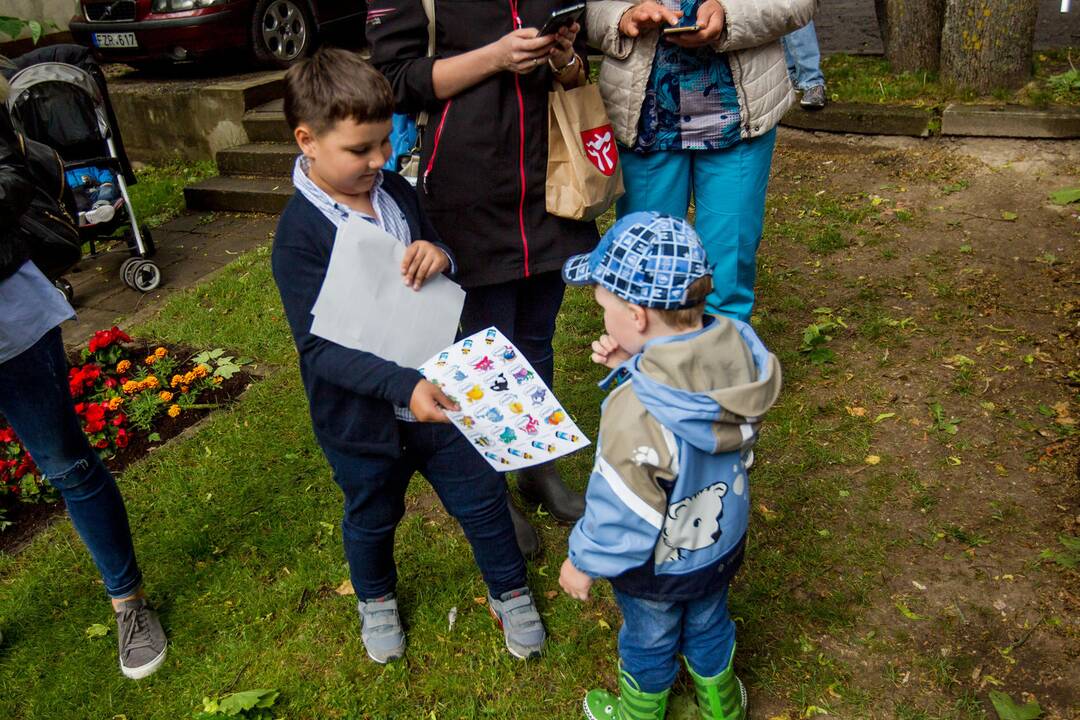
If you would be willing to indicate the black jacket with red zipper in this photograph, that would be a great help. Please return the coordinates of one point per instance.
(483, 161)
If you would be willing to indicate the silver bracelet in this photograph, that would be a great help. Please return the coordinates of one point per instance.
(564, 68)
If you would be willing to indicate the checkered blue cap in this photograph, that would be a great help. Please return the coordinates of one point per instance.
(646, 258)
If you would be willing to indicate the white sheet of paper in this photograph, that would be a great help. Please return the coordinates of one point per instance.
(363, 303)
(508, 413)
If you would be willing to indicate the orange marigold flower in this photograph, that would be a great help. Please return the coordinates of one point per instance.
(123, 366)
(201, 371)
(115, 402)
(189, 377)
(184, 389)
(131, 386)
(165, 396)
(174, 410)
(176, 380)
(160, 352)
(150, 359)
(217, 380)
(151, 382)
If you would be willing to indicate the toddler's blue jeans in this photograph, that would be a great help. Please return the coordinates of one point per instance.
(654, 634)
(473, 493)
(728, 187)
(36, 400)
(803, 57)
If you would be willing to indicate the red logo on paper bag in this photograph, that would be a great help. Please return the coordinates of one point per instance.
(600, 148)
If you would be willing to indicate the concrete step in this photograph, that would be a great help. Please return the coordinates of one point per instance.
(266, 123)
(239, 194)
(271, 160)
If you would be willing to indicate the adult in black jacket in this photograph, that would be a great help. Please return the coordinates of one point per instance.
(483, 165)
(35, 399)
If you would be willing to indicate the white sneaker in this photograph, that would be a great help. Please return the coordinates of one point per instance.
(102, 212)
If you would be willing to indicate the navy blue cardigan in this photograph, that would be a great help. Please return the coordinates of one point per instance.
(350, 393)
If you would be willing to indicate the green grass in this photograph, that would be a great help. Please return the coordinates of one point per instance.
(236, 526)
(869, 79)
(158, 195)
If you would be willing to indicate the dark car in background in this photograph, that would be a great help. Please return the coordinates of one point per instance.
(274, 32)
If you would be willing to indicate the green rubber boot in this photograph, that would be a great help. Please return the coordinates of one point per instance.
(721, 697)
(632, 703)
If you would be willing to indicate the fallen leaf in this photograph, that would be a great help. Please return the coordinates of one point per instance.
(1008, 709)
(603, 623)
(856, 411)
(907, 612)
(884, 416)
(1065, 196)
(480, 600)
(551, 594)
(345, 588)
(97, 630)
(872, 459)
(1010, 216)
(918, 585)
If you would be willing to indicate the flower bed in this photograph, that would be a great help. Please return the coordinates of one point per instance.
(129, 396)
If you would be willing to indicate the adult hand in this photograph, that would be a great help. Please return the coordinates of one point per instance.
(646, 16)
(422, 260)
(606, 352)
(574, 583)
(427, 403)
(522, 51)
(563, 49)
(710, 18)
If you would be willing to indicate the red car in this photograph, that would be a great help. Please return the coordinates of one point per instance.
(275, 32)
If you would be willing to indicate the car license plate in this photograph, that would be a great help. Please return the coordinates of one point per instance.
(115, 40)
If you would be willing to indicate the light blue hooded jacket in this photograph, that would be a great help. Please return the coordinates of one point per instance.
(668, 501)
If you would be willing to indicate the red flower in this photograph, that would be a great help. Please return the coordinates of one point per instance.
(102, 444)
(104, 338)
(110, 382)
(121, 438)
(95, 411)
(7, 435)
(119, 420)
(80, 408)
(94, 426)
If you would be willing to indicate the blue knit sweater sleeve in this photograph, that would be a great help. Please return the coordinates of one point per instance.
(301, 254)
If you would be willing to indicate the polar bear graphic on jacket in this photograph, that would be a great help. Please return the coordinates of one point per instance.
(692, 523)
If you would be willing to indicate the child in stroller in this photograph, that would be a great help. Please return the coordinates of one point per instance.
(59, 97)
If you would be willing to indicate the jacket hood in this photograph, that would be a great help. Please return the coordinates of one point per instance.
(709, 387)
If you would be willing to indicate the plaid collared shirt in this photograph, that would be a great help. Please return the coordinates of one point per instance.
(388, 217)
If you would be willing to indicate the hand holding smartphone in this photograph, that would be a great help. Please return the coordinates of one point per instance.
(681, 29)
(563, 17)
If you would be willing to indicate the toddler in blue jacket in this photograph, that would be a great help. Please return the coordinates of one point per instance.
(378, 422)
(667, 505)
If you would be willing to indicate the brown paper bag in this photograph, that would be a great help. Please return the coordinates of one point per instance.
(584, 176)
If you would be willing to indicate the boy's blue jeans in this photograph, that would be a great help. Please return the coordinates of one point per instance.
(803, 57)
(728, 187)
(473, 493)
(36, 400)
(654, 634)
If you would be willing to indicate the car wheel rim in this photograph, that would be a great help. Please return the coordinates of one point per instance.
(284, 31)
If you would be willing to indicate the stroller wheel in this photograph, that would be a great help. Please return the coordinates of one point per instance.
(127, 271)
(145, 276)
(65, 288)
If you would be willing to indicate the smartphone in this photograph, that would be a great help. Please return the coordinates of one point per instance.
(563, 17)
(680, 29)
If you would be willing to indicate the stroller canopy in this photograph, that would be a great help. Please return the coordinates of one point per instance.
(60, 105)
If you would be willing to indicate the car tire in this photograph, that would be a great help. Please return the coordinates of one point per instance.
(282, 32)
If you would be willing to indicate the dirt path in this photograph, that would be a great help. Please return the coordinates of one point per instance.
(956, 285)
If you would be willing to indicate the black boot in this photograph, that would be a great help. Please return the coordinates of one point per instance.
(542, 484)
(527, 539)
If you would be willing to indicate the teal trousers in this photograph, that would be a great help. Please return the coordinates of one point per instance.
(728, 188)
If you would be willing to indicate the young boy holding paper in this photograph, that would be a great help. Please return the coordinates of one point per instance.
(378, 422)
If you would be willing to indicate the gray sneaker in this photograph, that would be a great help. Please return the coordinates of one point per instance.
(516, 614)
(141, 639)
(813, 98)
(380, 629)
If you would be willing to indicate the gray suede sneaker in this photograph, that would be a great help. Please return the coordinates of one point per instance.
(813, 98)
(380, 629)
(142, 641)
(516, 614)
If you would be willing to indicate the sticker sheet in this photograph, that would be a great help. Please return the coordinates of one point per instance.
(507, 412)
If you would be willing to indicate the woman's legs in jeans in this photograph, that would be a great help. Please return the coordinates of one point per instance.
(36, 400)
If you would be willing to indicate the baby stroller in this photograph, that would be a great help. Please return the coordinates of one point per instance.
(58, 97)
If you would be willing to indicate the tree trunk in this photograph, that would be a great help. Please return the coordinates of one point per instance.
(911, 33)
(987, 44)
